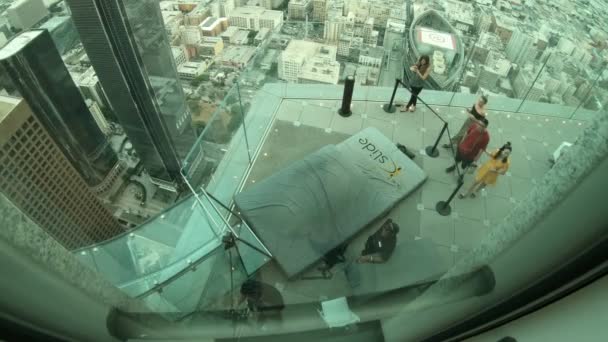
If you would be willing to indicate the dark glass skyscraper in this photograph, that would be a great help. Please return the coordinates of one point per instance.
(36, 71)
(130, 52)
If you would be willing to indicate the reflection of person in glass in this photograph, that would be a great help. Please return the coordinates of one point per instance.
(421, 71)
(488, 172)
(262, 299)
(380, 246)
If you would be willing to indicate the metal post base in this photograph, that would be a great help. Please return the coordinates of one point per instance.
(345, 114)
(443, 208)
(389, 109)
(432, 152)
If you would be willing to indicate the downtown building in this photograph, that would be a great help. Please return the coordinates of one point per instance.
(130, 52)
(39, 179)
(525, 86)
(24, 14)
(319, 10)
(255, 18)
(222, 8)
(521, 48)
(380, 10)
(336, 24)
(299, 9)
(309, 62)
(53, 156)
(36, 72)
(213, 27)
(493, 71)
(91, 88)
(271, 4)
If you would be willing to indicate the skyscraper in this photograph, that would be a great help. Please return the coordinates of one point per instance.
(299, 9)
(222, 8)
(129, 49)
(319, 10)
(38, 177)
(520, 48)
(35, 69)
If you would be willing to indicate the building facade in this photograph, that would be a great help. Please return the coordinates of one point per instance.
(271, 4)
(37, 72)
(504, 28)
(190, 35)
(371, 56)
(90, 88)
(213, 27)
(63, 33)
(222, 8)
(37, 177)
(237, 56)
(179, 55)
(255, 18)
(525, 87)
(309, 62)
(141, 81)
(196, 16)
(520, 48)
(336, 25)
(192, 70)
(319, 10)
(23, 14)
(98, 116)
(299, 9)
(211, 46)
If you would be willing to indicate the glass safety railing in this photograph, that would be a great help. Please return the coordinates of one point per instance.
(156, 250)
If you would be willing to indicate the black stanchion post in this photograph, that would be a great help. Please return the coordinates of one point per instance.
(389, 108)
(432, 151)
(443, 207)
(347, 98)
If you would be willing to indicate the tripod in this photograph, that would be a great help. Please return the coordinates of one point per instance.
(229, 240)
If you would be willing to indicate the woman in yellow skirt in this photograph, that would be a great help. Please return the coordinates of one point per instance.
(488, 172)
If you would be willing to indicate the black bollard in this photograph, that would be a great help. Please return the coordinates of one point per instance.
(432, 151)
(443, 207)
(389, 108)
(347, 98)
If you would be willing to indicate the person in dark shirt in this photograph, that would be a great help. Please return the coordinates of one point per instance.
(380, 246)
(331, 258)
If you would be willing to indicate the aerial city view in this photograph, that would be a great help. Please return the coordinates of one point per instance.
(543, 51)
(144, 130)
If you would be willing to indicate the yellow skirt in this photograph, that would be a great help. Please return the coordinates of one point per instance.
(488, 177)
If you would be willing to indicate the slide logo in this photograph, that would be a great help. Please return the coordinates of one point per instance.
(387, 164)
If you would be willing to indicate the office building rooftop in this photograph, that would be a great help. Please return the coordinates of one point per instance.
(210, 22)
